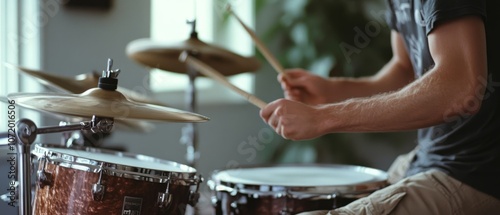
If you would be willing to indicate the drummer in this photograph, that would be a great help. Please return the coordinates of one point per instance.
(443, 80)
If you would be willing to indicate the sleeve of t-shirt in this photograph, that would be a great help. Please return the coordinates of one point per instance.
(436, 11)
(390, 16)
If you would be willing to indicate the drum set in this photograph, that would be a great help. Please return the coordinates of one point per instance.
(75, 178)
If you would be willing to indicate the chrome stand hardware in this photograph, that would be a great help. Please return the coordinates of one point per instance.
(26, 134)
(189, 132)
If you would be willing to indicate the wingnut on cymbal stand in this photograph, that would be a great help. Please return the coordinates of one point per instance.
(27, 131)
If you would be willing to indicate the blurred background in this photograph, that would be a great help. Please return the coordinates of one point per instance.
(328, 37)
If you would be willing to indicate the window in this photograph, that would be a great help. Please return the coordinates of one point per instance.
(8, 48)
(168, 23)
(19, 45)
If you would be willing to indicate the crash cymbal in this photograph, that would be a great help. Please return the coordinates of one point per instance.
(103, 103)
(122, 124)
(165, 56)
(78, 84)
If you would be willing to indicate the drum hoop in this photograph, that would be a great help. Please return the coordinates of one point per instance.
(302, 192)
(113, 169)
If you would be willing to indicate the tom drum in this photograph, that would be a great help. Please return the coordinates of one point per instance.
(291, 189)
(96, 181)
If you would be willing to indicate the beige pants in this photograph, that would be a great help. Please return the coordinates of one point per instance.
(431, 192)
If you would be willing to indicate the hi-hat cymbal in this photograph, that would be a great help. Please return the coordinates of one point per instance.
(165, 56)
(79, 84)
(102, 103)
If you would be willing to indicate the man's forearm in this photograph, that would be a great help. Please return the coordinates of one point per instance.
(390, 78)
(425, 102)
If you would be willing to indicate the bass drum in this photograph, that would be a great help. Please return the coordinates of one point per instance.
(96, 181)
(291, 189)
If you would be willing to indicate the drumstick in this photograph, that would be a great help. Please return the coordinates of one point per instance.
(212, 73)
(263, 49)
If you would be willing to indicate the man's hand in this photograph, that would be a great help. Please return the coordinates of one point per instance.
(293, 120)
(303, 86)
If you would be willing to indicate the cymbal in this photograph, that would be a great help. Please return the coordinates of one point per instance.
(79, 84)
(123, 124)
(103, 103)
(165, 56)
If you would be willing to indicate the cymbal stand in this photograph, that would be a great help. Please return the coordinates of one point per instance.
(26, 132)
(189, 132)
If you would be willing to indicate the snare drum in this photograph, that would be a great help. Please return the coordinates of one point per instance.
(96, 181)
(291, 189)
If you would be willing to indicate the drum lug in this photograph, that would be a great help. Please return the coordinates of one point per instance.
(288, 209)
(236, 201)
(44, 178)
(194, 196)
(98, 189)
(215, 201)
(164, 199)
(234, 207)
(334, 196)
(98, 192)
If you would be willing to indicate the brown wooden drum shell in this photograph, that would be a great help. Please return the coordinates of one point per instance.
(71, 193)
(268, 205)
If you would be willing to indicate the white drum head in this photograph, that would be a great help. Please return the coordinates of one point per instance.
(302, 181)
(299, 176)
(115, 163)
(302, 176)
(123, 160)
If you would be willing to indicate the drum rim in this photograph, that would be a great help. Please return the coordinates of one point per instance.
(317, 192)
(114, 169)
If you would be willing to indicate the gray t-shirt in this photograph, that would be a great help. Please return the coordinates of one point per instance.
(467, 147)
